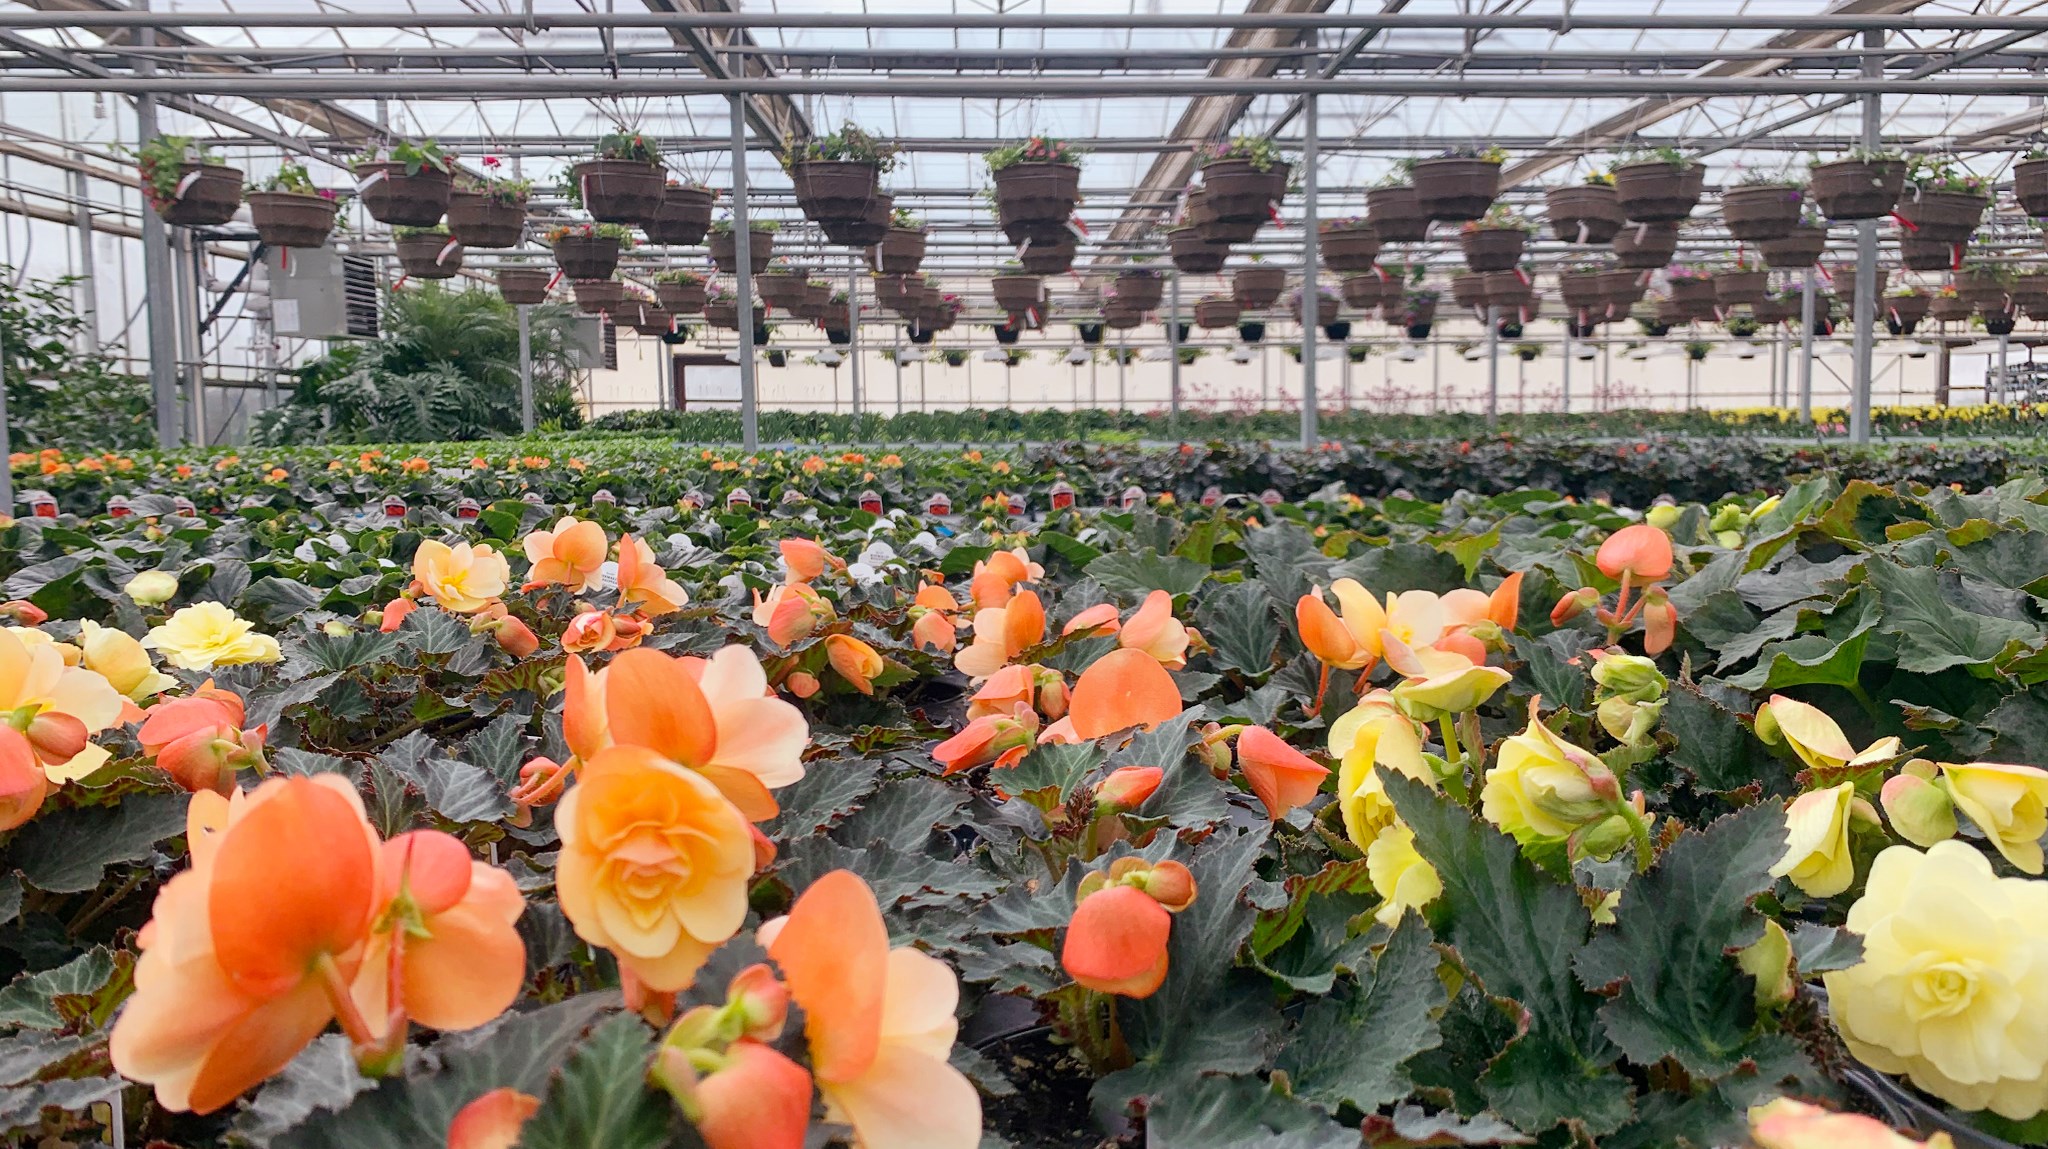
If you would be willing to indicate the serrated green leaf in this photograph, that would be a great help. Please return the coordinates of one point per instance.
(602, 1099)
(499, 748)
(1052, 767)
(1936, 628)
(900, 879)
(23, 1104)
(829, 790)
(1352, 1044)
(323, 1077)
(1286, 560)
(1238, 621)
(1555, 667)
(455, 790)
(1817, 948)
(1714, 746)
(30, 1001)
(1239, 1113)
(904, 812)
(1412, 1128)
(274, 600)
(1133, 575)
(68, 851)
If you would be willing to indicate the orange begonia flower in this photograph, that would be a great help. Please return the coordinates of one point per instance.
(1127, 787)
(58, 707)
(643, 583)
(880, 1022)
(934, 630)
(199, 740)
(807, 560)
(760, 738)
(248, 955)
(462, 578)
(492, 1121)
(1154, 630)
(571, 555)
(1122, 689)
(1280, 775)
(1100, 620)
(856, 661)
(1116, 942)
(1002, 739)
(791, 612)
(394, 612)
(1641, 551)
(1001, 634)
(447, 927)
(23, 785)
(755, 1098)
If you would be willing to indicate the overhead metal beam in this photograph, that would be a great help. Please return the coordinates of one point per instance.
(774, 117)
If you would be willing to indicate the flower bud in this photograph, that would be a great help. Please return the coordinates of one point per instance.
(761, 1000)
(1214, 748)
(152, 588)
(394, 613)
(1730, 540)
(1127, 788)
(1729, 518)
(1660, 620)
(516, 638)
(801, 683)
(1630, 676)
(56, 736)
(1603, 838)
(335, 628)
(1573, 604)
(1769, 960)
(1663, 516)
(24, 612)
(1170, 884)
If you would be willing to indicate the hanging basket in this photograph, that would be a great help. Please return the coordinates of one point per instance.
(2030, 186)
(681, 298)
(1412, 312)
(1121, 318)
(1493, 248)
(1658, 192)
(479, 220)
(1942, 217)
(1035, 201)
(1756, 213)
(898, 293)
(1695, 296)
(1906, 310)
(1017, 293)
(392, 196)
(901, 251)
(1733, 287)
(1509, 291)
(1949, 308)
(1050, 258)
(1326, 309)
(683, 217)
(1348, 249)
(864, 231)
(429, 256)
(1089, 333)
(1583, 213)
(723, 315)
(725, 256)
(1979, 287)
(1583, 291)
(620, 191)
(835, 189)
(652, 321)
(587, 256)
(785, 289)
(1240, 193)
(1192, 253)
(1456, 188)
(1367, 290)
(1624, 288)
(1646, 245)
(1845, 281)
(210, 195)
(289, 219)
(1857, 189)
(1796, 250)
(1257, 288)
(598, 295)
(1139, 290)
(1926, 255)
(1396, 215)
(1213, 312)
(524, 285)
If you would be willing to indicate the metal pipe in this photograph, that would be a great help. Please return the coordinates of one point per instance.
(161, 297)
(1173, 353)
(1565, 400)
(1492, 366)
(1806, 318)
(525, 311)
(898, 357)
(1311, 293)
(1866, 267)
(743, 277)
(853, 337)
(6, 438)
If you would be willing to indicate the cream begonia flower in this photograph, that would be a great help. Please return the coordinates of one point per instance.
(1815, 738)
(1544, 788)
(463, 579)
(2008, 803)
(121, 659)
(1817, 854)
(207, 634)
(1374, 732)
(1436, 683)
(1953, 985)
(1399, 874)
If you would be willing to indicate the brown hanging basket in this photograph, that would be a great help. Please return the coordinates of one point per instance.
(1979, 287)
(1906, 310)
(681, 298)
(1469, 289)
(1053, 257)
(1941, 217)
(1928, 255)
(1845, 281)
(1857, 189)
(785, 289)
(898, 292)
(1456, 187)
(587, 256)
(1348, 249)
(725, 256)
(835, 189)
(1797, 249)
(1624, 288)
(1016, 293)
(865, 231)
(1192, 252)
(1326, 309)
(1034, 201)
(1140, 290)
(599, 295)
(1645, 245)
(1397, 216)
(524, 285)
(212, 194)
(1122, 318)
(478, 220)
(401, 200)
(1214, 311)
(620, 191)
(1583, 291)
(1492, 248)
(1733, 287)
(725, 316)
(1949, 308)
(900, 252)
(422, 256)
(1658, 192)
(2030, 186)
(1755, 213)
(1257, 288)
(683, 217)
(290, 219)
(653, 322)
(1368, 290)
(1695, 295)
(1239, 193)
(1583, 213)
(1507, 289)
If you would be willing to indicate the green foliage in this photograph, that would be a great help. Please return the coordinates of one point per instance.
(58, 395)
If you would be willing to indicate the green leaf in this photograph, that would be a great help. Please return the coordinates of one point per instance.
(1714, 746)
(455, 790)
(1285, 558)
(322, 1078)
(1239, 623)
(274, 600)
(1131, 575)
(1470, 549)
(602, 1099)
(23, 1104)
(1817, 948)
(32, 1000)
(904, 813)
(1835, 656)
(1675, 929)
(1519, 932)
(1556, 667)
(68, 851)
(1076, 552)
(1412, 1128)
(830, 789)
(1239, 1113)
(500, 748)
(1936, 628)
(27, 1055)
(1351, 1044)
(900, 879)
(1403, 566)
(1053, 769)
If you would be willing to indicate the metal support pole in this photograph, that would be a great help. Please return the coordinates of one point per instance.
(2004, 373)
(1121, 404)
(1311, 297)
(898, 357)
(1492, 366)
(1436, 376)
(743, 277)
(191, 341)
(1565, 400)
(88, 282)
(1173, 352)
(853, 337)
(1866, 259)
(156, 276)
(1606, 373)
(1344, 379)
(6, 436)
(1806, 343)
(1094, 360)
(525, 311)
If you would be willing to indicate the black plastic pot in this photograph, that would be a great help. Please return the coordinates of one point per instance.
(1090, 333)
(1419, 331)
(1338, 331)
(1251, 332)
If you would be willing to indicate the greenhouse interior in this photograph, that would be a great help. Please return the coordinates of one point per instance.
(1024, 574)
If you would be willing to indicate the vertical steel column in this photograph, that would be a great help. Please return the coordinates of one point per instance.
(1866, 256)
(1173, 353)
(1492, 366)
(190, 342)
(1436, 376)
(1806, 342)
(1121, 403)
(6, 439)
(1565, 400)
(1606, 373)
(1344, 378)
(1265, 379)
(156, 275)
(1311, 298)
(1094, 360)
(743, 276)
(525, 311)
(898, 356)
(853, 336)
(2004, 376)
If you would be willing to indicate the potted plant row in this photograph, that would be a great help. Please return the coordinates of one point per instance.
(406, 184)
(289, 211)
(187, 185)
(1037, 187)
(623, 182)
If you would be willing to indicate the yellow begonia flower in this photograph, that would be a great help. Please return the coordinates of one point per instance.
(1953, 985)
(119, 657)
(1815, 738)
(207, 634)
(462, 578)
(152, 588)
(34, 680)
(1817, 855)
(2008, 803)
(1374, 732)
(1439, 682)
(1400, 874)
(1544, 788)
(71, 655)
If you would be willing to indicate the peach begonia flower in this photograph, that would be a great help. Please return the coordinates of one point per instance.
(1127, 787)
(492, 1121)
(56, 707)
(1031, 686)
(716, 1061)
(447, 927)
(1122, 689)
(1785, 1123)
(393, 615)
(933, 619)
(1116, 940)
(1640, 551)
(1281, 776)
(1001, 634)
(602, 630)
(1349, 642)
(879, 1022)
(1437, 683)
(570, 555)
(644, 584)
(199, 740)
(23, 785)
(995, 578)
(1815, 738)
(1098, 621)
(1001, 739)
(857, 662)
(249, 953)
(1154, 630)
(791, 612)
(806, 560)
(462, 578)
